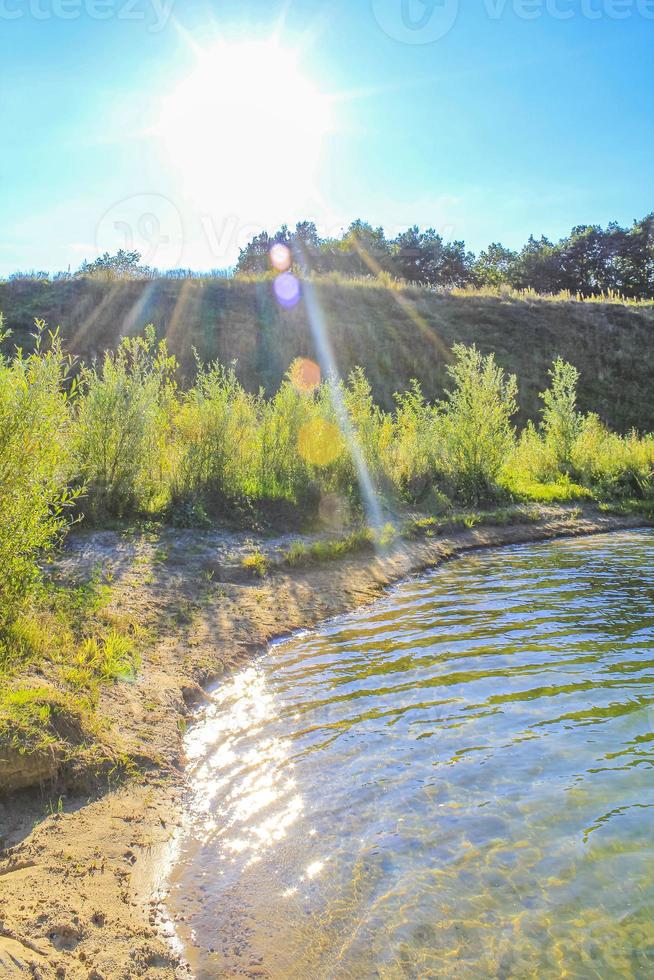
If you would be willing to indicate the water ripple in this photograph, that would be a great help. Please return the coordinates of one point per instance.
(453, 782)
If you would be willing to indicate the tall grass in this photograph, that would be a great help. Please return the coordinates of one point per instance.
(124, 440)
(507, 292)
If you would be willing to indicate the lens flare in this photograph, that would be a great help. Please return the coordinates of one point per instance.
(319, 442)
(320, 333)
(280, 257)
(287, 290)
(333, 511)
(305, 374)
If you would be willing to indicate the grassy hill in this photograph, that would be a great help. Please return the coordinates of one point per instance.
(394, 334)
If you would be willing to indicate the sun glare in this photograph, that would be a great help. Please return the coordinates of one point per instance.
(246, 124)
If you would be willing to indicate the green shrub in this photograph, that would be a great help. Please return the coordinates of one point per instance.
(410, 450)
(138, 445)
(120, 435)
(555, 492)
(214, 441)
(474, 431)
(365, 420)
(574, 456)
(561, 422)
(255, 562)
(36, 466)
(291, 441)
(616, 466)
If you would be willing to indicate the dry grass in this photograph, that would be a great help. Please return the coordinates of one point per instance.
(394, 333)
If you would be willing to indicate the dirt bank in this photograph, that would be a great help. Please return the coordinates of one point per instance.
(79, 888)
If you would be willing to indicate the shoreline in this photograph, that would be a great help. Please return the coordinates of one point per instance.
(81, 891)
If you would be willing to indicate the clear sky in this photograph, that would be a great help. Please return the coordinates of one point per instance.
(179, 129)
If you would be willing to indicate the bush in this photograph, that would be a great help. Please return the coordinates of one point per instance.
(474, 430)
(36, 466)
(294, 442)
(561, 422)
(138, 445)
(214, 441)
(616, 466)
(576, 455)
(121, 427)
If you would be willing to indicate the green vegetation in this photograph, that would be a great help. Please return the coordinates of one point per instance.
(255, 562)
(118, 425)
(36, 464)
(125, 441)
(393, 331)
(591, 261)
(331, 549)
(55, 655)
(474, 431)
(122, 440)
(431, 527)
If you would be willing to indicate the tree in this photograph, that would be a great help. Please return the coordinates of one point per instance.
(495, 266)
(363, 250)
(588, 259)
(538, 267)
(255, 257)
(591, 260)
(635, 261)
(122, 265)
(422, 256)
(416, 254)
(305, 245)
(457, 265)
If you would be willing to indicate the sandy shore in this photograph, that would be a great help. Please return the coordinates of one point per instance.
(81, 885)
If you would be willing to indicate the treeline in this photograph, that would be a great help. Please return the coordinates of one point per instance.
(591, 261)
(122, 440)
(123, 264)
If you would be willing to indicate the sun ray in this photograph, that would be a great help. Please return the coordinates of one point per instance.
(404, 303)
(87, 324)
(329, 368)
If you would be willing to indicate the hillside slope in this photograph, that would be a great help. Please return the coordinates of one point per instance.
(394, 335)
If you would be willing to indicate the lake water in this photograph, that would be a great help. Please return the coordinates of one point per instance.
(457, 781)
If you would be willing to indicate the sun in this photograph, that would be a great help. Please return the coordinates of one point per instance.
(247, 126)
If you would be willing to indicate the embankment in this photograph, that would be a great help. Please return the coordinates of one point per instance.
(395, 335)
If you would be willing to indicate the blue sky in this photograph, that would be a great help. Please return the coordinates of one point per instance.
(180, 128)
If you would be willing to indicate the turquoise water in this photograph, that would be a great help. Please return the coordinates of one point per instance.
(454, 782)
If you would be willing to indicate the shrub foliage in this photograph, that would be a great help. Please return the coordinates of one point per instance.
(123, 440)
(36, 465)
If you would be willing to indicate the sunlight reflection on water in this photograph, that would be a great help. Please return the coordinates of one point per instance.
(455, 781)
